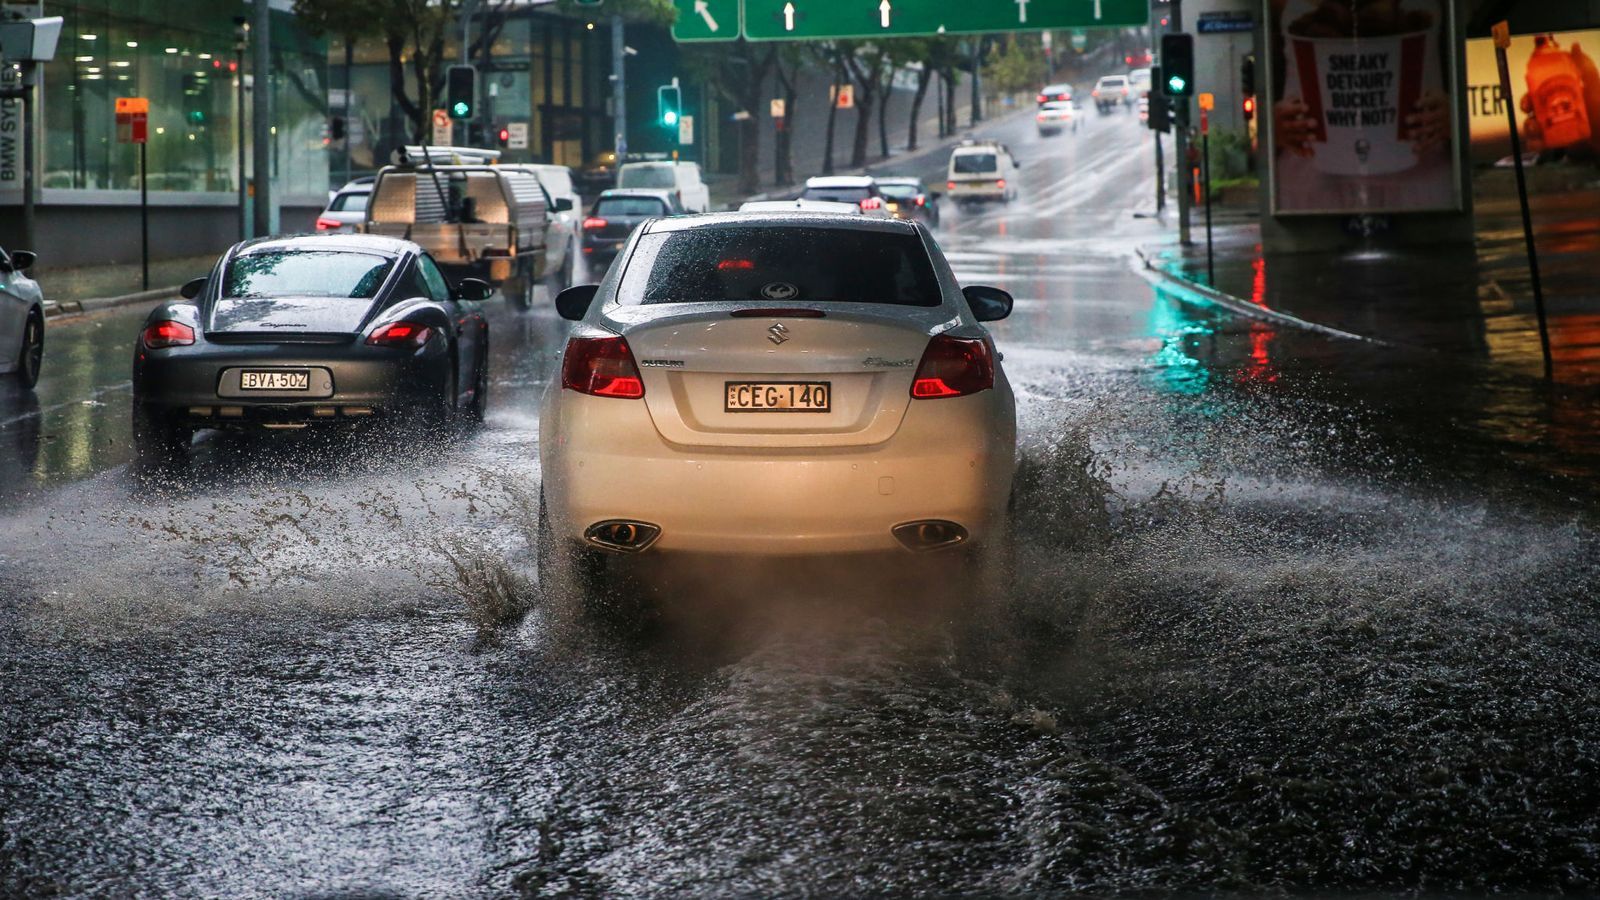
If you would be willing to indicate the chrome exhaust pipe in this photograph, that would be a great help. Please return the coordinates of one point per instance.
(622, 535)
(929, 534)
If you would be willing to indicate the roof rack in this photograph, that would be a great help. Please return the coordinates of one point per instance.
(417, 154)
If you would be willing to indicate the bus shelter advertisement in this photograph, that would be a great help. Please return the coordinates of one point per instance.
(1555, 90)
(1362, 117)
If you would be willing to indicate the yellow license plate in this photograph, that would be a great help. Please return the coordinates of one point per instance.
(778, 396)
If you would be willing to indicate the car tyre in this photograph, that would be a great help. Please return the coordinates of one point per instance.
(30, 358)
(160, 444)
(568, 571)
(480, 390)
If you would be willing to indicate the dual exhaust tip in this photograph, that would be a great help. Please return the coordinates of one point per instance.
(628, 536)
(927, 535)
(622, 535)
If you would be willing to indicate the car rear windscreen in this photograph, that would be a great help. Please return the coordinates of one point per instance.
(899, 191)
(354, 201)
(648, 177)
(971, 163)
(629, 206)
(780, 264)
(306, 273)
(837, 194)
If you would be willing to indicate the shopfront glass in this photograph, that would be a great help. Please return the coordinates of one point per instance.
(179, 54)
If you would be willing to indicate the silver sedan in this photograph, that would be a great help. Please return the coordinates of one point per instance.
(21, 319)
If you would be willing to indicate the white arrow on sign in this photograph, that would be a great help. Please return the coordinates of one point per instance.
(788, 17)
(1022, 12)
(1097, 9)
(702, 9)
(883, 13)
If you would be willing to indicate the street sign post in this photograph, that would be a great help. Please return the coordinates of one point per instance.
(1208, 102)
(517, 135)
(442, 131)
(1502, 42)
(133, 127)
(778, 20)
(706, 20)
(685, 130)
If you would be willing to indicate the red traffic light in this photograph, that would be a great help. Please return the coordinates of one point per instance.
(1249, 108)
(505, 136)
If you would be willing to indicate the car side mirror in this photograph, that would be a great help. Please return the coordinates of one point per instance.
(191, 289)
(473, 289)
(574, 302)
(989, 304)
(563, 204)
(23, 260)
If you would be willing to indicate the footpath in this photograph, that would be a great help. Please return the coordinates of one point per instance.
(1473, 303)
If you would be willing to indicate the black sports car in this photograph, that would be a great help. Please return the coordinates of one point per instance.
(309, 330)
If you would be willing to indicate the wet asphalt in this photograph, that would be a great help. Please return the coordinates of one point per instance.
(1292, 614)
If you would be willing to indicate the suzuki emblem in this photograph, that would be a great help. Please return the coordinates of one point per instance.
(778, 333)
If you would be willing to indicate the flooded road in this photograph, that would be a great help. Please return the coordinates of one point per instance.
(1279, 624)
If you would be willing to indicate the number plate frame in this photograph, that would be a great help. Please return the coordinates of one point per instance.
(297, 380)
(787, 388)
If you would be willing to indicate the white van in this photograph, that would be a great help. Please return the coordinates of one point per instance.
(982, 170)
(682, 177)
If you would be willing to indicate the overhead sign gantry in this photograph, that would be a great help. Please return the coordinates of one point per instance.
(783, 20)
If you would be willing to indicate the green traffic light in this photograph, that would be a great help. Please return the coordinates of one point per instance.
(1177, 84)
(669, 118)
(461, 109)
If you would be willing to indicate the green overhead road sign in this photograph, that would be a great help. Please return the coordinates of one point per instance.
(777, 20)
(706, 20)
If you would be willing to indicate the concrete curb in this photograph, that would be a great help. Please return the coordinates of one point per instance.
(1241, 307)
(54, 310)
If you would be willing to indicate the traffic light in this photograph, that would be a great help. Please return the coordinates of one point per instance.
(504, 136)
(1247, 76)
(1160, 110)
(1177, 65)
(1249, 108)
(669, 105)
(461, 91)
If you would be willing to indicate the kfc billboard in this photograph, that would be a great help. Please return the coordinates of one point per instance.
(1555, 90)
(1362, 114)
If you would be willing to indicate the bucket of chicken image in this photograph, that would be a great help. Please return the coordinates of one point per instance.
(1362, 68)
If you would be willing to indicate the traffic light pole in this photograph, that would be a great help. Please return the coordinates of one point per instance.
(1180, 139)
(619, 90)
(261, 115)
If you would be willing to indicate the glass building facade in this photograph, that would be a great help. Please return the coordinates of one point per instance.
(547, 71)
(181, 56)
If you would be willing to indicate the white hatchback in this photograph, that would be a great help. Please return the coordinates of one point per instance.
(764, 384)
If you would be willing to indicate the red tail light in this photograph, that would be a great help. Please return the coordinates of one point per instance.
(1063, 96)
(167, 334)
(949, 185)
(953, 367)
(872, 203)
(922, 200)
(326, 224)
(601, 366)
(594, 223)
(1001, 182)
(1043, 98)
(401, 334)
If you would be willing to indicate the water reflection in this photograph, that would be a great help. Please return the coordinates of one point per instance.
(19, 439)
